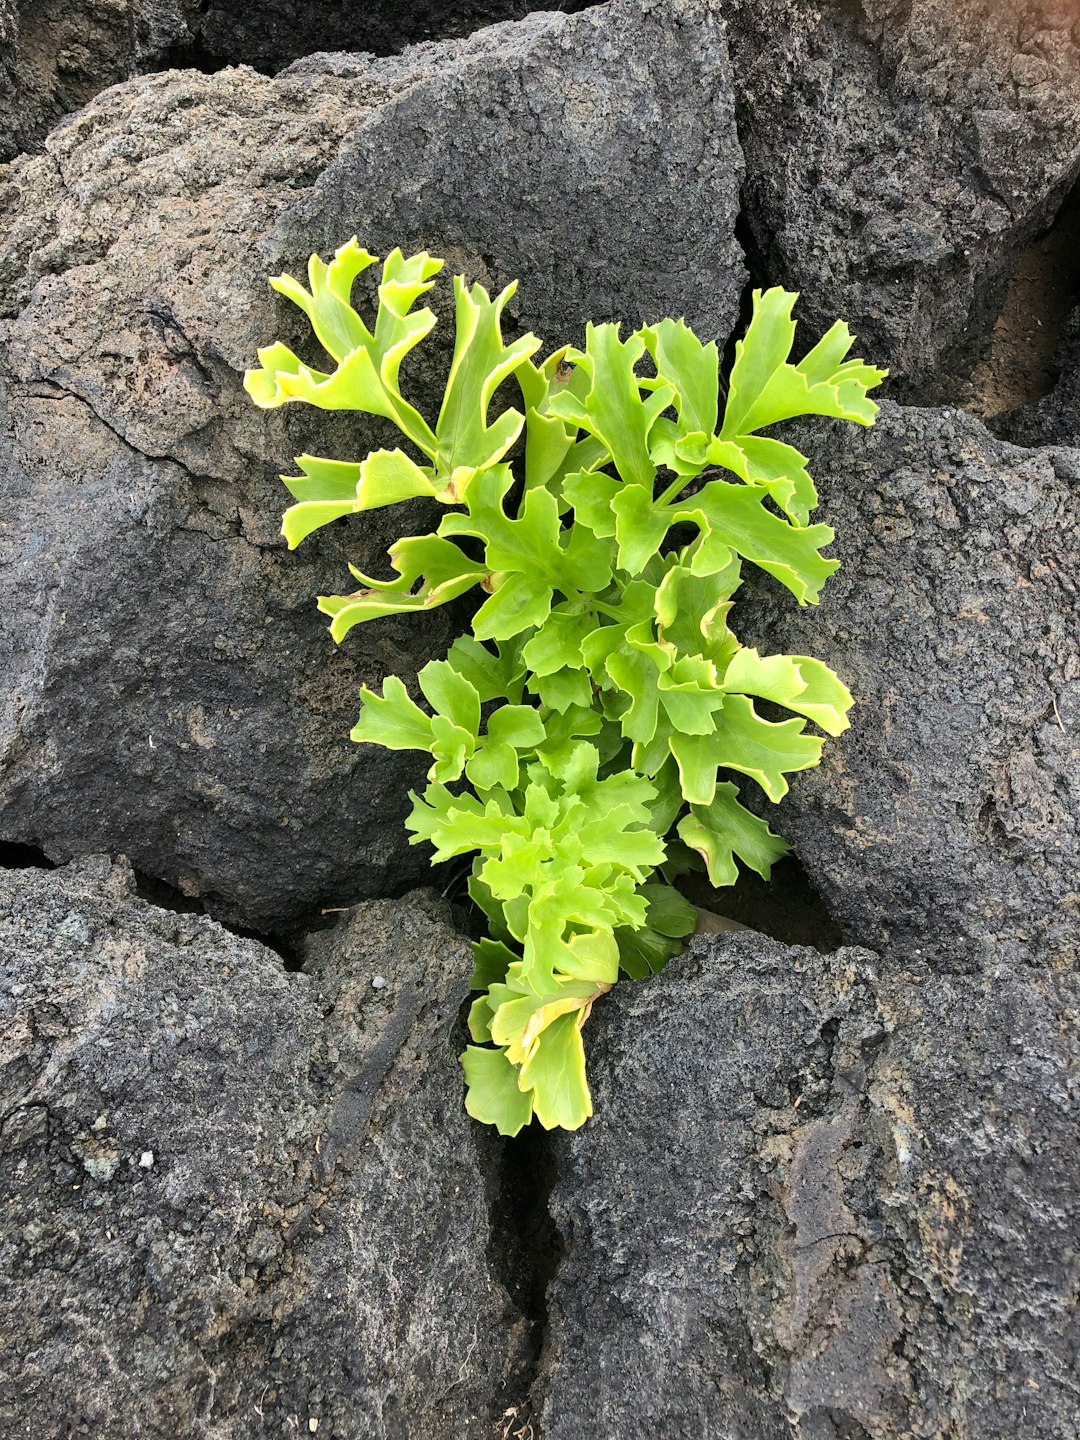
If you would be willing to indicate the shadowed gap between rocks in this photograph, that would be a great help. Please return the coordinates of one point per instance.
(14, 856)
(273, 36)
(786, 907)
(525, 1250)
(1022, 362)
(757, 278)
(168, 897)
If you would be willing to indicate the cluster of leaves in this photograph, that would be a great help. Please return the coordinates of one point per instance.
(580, 736)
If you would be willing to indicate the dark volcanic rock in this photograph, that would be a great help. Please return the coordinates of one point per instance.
(595, 159)
(820, 1200)
(898, 158)
(172, 692)
(947, 819)
(236, 1199)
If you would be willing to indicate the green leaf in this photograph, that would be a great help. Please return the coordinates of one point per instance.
(725, 828)
(494, 674)
(737, 518)
(745, 742)
(764, 389)
(336, 324)
(645, 952)
(444, 572)
(491, 958)
(548, 439)
(555, 1073)
(392, 719)
(493, 1096)
(367, 373)
(802, 684)
(448, 692)
(565, 690)
(480, 1018)
(510, 730)
(777, 468)
(527, 556)
(612, 409)
(669, 912)
(558, 641)
(690, 369)
(592, 494)
(466, 442)
(692, 611)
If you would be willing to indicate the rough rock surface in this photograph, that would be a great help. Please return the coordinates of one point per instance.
(823, 1199)
(594, 158)
(236, 1200)
(172, 692)
(947, 819)
(898, 158)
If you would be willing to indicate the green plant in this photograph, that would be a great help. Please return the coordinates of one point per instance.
(579, 736)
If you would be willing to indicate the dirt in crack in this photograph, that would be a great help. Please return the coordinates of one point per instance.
(1020, 366)
(526, 1249)
(785, 907)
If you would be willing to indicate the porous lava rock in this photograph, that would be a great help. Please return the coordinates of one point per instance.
(946, 821)
(899, 157)
(172, 692)
(821, 1196)
(237, 1200)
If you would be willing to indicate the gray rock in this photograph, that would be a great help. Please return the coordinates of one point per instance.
(595, 158)
(56, 55)
(820, 1198)
(898, 159)
(173, 693)
(237, 1200)
(946, 821)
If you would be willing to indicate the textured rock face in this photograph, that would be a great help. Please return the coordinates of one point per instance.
(236, 1199)
(861, 1220)
(946, 820)
(173, 693)
(604, 173)
(899, 156)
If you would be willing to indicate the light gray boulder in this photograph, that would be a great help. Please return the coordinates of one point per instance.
(235, 1199)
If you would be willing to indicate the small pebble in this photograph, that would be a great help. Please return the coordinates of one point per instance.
(379, 983)
(312, 1423)
(146, 1160)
